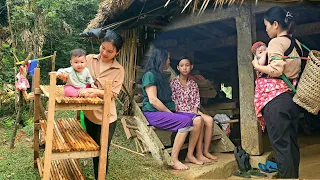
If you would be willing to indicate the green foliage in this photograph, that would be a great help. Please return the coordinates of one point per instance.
(17, 164)
(28, 130)
(63, 21)
(3, 13)
(7, 63)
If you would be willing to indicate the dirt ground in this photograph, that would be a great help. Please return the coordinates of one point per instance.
(309, 155)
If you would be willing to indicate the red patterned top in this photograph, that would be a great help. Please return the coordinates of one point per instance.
(186, 99)
(267, 89)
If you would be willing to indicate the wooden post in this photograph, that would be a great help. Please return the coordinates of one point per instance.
(36, 108)
(49, 134)
(251, 137)
(105, 131)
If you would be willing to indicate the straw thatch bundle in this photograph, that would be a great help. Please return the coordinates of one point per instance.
(107, 9)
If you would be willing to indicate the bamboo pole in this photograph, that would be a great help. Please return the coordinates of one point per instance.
(127, 149)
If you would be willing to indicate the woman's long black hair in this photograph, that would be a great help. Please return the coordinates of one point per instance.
(282, 16)
(156, 62)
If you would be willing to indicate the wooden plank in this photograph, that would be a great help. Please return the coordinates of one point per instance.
(213, 112)
(251, 136)
(154, 144)
(36, 110)
(226, 105)
(73, 106)
(220, 14)
(230, 121)
(37, 90)
(125, 128)
(206, 17)
(75, 155)
(105, 131)
(63, 169)
(49, 133)
(42, 111)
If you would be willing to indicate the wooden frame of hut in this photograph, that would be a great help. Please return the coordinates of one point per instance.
(206, 36)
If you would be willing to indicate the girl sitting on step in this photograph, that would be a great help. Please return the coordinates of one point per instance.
(159, 109)
(185, 94)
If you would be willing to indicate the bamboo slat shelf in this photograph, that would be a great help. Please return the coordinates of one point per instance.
(65, 139)
(61, 98)
(63, 169)
(68, 135)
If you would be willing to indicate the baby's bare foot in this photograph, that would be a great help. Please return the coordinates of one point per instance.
(92, 95)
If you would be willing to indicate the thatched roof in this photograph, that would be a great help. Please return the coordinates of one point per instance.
(108, 9)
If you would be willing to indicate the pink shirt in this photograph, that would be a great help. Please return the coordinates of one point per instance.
(186, 99)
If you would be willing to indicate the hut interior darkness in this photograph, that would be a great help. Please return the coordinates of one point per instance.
(218, 42)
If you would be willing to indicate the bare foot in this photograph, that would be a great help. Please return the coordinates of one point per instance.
(204, 159)
(179, 166)
(210, 156)
(194, 160)
(93, 95)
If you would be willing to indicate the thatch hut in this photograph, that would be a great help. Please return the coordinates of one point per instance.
(217, 35)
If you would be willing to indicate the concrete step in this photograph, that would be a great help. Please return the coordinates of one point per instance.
(222, 169)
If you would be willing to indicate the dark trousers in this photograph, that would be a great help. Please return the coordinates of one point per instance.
(94, 130)
(282, 119)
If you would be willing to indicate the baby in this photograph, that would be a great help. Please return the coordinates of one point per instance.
(259, 50)
(77, 76)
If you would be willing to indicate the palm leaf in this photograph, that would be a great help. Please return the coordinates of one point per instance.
(186, 5)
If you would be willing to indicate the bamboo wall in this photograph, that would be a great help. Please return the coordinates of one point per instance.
(128, 56)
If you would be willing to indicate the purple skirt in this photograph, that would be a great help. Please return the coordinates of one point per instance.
(175, 122)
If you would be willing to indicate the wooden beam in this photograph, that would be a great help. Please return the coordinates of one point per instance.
(49, 133)
(76, 106)
(251, 137)
(36, 116)
(103, 160)
(206, 17)
(75, 155)
(301, 30)
(220, 14)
